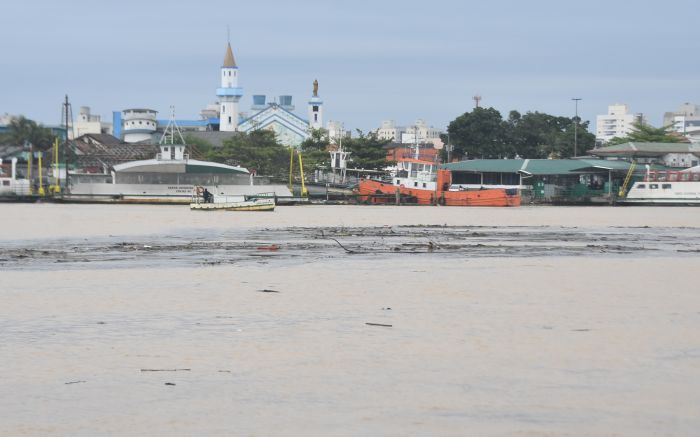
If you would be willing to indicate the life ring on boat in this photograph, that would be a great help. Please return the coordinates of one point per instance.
(200, 190)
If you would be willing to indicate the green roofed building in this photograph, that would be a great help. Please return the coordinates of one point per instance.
(546, 180)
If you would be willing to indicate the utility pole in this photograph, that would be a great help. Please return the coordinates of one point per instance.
(576, 100)
(67, 121)
(449, 149)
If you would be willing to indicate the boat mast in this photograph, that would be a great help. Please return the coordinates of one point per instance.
(170, 130)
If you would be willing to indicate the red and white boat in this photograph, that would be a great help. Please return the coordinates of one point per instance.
(422, 182)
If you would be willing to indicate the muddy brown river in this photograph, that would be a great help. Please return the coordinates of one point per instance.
(345, 321)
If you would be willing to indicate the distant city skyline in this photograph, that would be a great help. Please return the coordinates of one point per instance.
(373, 60)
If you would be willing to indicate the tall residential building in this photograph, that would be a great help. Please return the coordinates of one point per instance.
(685, 121)
(616, 123)
(420, 132)
(389, 131)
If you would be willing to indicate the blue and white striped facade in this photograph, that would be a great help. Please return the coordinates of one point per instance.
(291, 130)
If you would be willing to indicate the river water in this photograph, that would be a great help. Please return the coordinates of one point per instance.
(133, 320)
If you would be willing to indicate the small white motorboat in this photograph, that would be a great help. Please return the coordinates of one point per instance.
(203, 200)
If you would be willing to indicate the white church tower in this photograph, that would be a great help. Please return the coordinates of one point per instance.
(229, 94)
(315, 109)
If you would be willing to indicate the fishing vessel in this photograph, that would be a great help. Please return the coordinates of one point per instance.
(423, 183)
(666, 188)
(202, 200)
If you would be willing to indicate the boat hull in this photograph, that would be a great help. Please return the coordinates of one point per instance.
(247, 205)
(663, 192)
(159, 193)
(369, 189)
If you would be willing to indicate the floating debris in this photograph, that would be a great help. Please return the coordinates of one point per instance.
(165, 370)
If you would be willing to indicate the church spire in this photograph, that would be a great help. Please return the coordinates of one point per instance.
(229, 61)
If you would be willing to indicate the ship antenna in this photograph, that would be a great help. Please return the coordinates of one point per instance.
(170, 130)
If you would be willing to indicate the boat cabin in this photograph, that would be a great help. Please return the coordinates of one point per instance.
(414, 173)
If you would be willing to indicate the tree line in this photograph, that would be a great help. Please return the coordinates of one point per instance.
(484, 133)
(261, 151)
(481, 133)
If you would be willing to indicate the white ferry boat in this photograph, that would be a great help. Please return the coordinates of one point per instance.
(666, 188)
(168, 178)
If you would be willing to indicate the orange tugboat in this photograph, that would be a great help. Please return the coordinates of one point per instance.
(421, 182)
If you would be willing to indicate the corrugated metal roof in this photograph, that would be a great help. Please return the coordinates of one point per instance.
(540, 167)
(535, 166)
(638, 149)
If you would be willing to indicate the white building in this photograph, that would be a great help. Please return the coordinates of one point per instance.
(390, 131)
(420, 132)
(616, 123)
(87, 123)
(138, 124)
(685, 121)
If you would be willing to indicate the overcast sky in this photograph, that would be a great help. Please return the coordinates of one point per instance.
(374, 60)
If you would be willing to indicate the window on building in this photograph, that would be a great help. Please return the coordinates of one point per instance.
(665, 186)
(315, 108)
(6, 183)
(653, 186)
(641, 186)
(415, 184)
(229, 119)
(315, 117)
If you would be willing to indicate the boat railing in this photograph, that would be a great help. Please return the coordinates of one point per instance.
(672, 176)
(268, 195)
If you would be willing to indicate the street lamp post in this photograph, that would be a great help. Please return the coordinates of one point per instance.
(576, 100)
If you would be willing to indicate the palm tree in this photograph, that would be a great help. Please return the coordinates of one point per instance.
(644, 133)
(22, 130)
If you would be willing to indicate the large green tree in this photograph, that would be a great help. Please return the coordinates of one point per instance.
(540, 135)
(367, 151)
(315, 149)
(22, 130)
(199, 147)
(481, 133)
(644, 133)
(257, 150)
